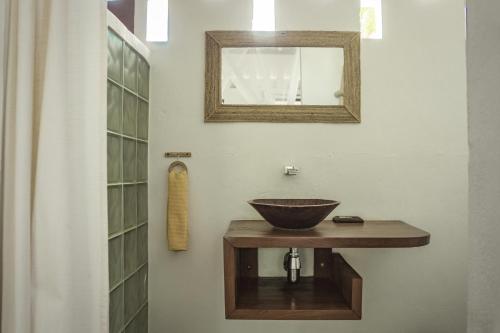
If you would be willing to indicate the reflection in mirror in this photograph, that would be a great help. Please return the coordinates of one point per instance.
(282, 76)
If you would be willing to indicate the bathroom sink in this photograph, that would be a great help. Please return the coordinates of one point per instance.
(294, 213)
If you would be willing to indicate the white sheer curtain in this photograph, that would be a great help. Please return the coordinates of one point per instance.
(261, 75)
(53, 164)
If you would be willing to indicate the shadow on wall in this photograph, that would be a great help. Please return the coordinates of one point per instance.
(124, 10)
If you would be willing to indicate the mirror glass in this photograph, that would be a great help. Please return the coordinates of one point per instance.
(282, 76)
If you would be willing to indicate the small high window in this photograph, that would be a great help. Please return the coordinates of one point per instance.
(263, 15)
(370, 15)
(157, 21)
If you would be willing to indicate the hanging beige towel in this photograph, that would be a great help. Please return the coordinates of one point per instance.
(177, 207)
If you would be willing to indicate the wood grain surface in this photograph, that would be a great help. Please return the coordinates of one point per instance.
(371, 234)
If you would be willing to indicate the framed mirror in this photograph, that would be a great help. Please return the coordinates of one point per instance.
(286, 76)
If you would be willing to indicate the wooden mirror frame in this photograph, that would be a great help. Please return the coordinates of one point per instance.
(215, 111)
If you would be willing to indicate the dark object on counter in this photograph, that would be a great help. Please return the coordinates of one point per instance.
(294, 213)
(348, 219)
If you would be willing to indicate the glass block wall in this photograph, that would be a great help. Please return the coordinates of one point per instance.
(128, 93)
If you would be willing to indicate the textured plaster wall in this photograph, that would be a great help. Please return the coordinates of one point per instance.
(406, 160)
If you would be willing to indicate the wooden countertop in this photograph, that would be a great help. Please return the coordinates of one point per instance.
(371, 234)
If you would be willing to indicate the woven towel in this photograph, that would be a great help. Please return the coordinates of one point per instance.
(177, 210)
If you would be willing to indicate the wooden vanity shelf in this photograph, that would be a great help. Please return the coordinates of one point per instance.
(335, 290)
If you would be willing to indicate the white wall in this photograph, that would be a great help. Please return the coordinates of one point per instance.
(3, 67)
(483, 64)
(406, 160)
(322, 75)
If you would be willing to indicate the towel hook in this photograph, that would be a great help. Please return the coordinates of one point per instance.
(175, 164)
(177, 154)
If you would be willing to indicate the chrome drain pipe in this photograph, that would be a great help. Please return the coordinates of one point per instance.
(291, 263)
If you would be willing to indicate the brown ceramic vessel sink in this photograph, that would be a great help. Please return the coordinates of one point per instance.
(294, 213)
